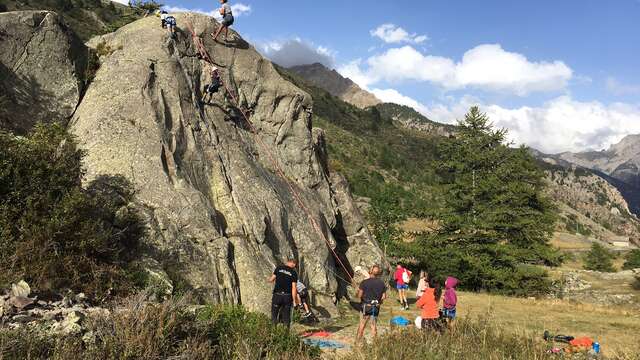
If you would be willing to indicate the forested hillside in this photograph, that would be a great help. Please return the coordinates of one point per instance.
(87, 18)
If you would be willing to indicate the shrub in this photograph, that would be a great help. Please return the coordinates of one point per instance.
(54, 233)
(632, 260)
(170, 330)
(239, 334)
(599, 259)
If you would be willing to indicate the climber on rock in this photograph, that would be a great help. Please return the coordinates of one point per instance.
(213, 86)
(170, 23)
(227, 20)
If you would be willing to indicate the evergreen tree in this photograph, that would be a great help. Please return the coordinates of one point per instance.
(632, 260)
(495, 221)
(599, 259)
(494, 193)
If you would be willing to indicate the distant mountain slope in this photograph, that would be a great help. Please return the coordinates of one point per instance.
(589, 204)
(87, 18)
(619, 165)
(412, 119)
(337, 85)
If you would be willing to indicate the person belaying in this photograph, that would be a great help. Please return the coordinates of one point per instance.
(372, 292)
(428, 304)
(402, 277)
(227, 20)
(212, 87)
(285, 292)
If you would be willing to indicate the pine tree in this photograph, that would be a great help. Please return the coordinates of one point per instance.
(599, 259)
(494, 193)
(632, 260)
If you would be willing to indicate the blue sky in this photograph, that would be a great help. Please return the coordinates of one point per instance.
(560, 75)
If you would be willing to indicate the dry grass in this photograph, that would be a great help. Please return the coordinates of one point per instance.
(615, 328)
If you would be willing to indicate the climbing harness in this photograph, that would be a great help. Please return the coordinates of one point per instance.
(204, 54)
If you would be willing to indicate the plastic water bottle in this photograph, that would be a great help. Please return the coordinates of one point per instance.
(596, 347)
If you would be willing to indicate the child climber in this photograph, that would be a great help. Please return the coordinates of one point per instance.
(227, 20)
(428, 303)
(450, 300)
(212, 88)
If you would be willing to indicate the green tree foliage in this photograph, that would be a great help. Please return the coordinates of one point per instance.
(599, 259)
(632, 260)
(386, 211)
(495, 216)
(53, 232)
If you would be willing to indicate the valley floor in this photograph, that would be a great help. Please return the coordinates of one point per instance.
(616, 328)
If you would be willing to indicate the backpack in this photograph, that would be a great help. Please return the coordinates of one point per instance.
(405, 276)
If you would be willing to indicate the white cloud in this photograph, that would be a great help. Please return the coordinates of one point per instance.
(296, 51)
(392, 34)
(238, 10)
(487, 67)
(393, 96)
(562, 124)
(617, 88)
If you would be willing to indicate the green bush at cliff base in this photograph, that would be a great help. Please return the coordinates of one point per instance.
(55, 233)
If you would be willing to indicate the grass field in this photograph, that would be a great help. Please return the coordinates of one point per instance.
(616, 328)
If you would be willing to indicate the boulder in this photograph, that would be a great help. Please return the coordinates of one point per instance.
(21, 289)
(225, 200)
(42, 69)
(20, 302)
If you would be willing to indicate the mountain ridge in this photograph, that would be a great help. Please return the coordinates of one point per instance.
(337, 85)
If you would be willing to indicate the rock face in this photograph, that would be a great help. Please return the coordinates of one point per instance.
(620, 164)
(590, 205)
(337, 85)
(224, 205)
(42, 67)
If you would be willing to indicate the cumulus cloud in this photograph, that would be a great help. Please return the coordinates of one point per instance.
(562, 124)
(393, 96)
(487, 67)
(238, 10)
(296, 52)
(617, 88)
(391, 34)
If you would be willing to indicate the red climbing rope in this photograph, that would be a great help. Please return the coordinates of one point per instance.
(206, 57)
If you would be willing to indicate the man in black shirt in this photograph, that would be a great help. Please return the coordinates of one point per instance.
(285, 278)
(372, 293)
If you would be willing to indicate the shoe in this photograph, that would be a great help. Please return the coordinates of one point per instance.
(306, 315)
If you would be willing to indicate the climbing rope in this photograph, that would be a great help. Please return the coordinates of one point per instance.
(206, 57)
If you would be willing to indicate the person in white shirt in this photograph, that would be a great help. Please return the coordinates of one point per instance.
(227, 20)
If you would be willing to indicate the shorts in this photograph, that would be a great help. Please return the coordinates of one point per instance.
(402, 286)
(304, 296)
(227, 20)
(171, 21)
(449, 313)
(370, 309)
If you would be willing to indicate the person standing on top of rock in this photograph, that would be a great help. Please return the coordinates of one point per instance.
(285, 292)
(227, 20)
(372, 293)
